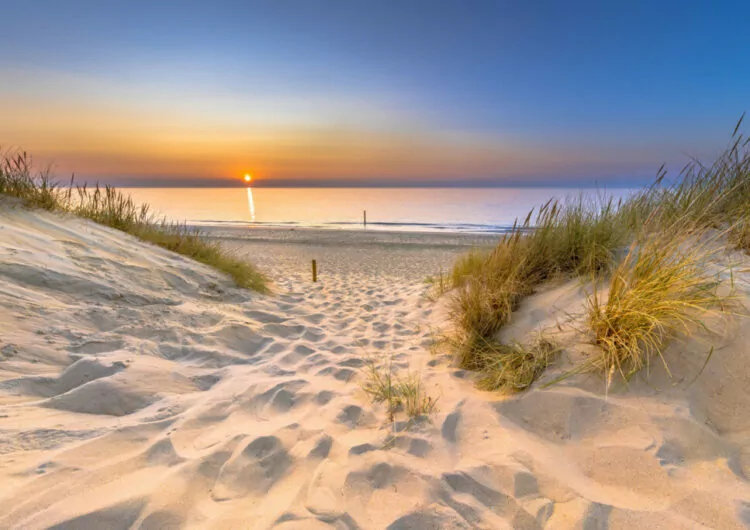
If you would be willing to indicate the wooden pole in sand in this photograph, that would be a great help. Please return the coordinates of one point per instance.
(365, 219)
(315, 270)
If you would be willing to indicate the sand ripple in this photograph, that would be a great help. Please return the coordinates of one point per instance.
(140, 390)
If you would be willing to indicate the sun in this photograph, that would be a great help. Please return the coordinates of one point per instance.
(248, 178)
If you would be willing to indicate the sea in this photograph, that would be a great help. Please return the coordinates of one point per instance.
(471, 210)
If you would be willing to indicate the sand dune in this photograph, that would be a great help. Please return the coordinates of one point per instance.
(139, 389)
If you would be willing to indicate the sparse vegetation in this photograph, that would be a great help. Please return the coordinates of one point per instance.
(512, 368)
(438, 285)
(110, 207)
(657, 290)
(405, 394)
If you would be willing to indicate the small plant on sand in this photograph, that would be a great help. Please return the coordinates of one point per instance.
(661, 288)
(508, 368)
(512, 368)
(414, 399)
(110, 207)
(398, 393)
(438, 286)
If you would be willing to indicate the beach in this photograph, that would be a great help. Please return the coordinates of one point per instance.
(409, 256)
(140, 389)
(374, 266)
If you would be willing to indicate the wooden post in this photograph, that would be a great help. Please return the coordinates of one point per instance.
(365, 219)
(315, 270)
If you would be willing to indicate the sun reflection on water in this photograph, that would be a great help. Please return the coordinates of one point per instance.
(251, 204)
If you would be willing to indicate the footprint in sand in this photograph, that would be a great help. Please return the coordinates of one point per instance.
(254, 470)
(285, 331)
(321, 449)
(265, 318)
(450, 426)
(350, 416)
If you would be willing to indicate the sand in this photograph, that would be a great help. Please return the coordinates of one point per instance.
(139, 389)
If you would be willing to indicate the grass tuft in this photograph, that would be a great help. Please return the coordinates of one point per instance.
(584, 238)
(511, 368)
(660, 289)
(398, 393)
(110, 207)
(577, 237)
(438, 286)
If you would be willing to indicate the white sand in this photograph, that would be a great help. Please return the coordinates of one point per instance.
(141, 390)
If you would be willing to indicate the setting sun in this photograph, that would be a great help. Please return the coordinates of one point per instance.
(248, 178)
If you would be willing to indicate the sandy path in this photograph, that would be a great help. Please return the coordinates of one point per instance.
(140, 390)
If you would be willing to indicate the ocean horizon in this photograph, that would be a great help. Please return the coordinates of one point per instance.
(469, 210)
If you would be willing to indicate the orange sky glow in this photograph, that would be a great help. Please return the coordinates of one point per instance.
(105, 131)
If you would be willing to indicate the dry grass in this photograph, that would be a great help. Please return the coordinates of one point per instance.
(405, 394)
(438, 286)
(656, 291)
(574, 238)
(110, 207)
(511, 368)
(739, 234)
(661, 288)
(467, 266)
(17, 180)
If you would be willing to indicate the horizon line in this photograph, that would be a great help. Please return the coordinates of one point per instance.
(619, 184)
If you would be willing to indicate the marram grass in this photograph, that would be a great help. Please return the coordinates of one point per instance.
(511, 368)
(657, 290)
(110, 207)
(661, 288)
(739, 233)
(577, 238)
(467, 266)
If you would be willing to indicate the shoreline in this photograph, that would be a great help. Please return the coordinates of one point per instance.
(375, 226)
(335, 237)
(410, 255)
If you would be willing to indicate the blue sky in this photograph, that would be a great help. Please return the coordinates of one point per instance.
(391, 92)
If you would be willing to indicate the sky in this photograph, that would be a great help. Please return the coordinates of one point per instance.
(358, 93)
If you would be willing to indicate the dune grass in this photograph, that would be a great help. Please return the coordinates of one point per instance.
(739, 233)
(439, 284)
(466, 266)
(661, 288)
(511, 368)
(405, 394)
(566, 238)
(111, 207)
(656, 290)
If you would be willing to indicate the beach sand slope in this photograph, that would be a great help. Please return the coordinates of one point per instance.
(139, 389)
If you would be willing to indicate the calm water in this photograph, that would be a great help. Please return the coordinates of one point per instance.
(413, 209)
